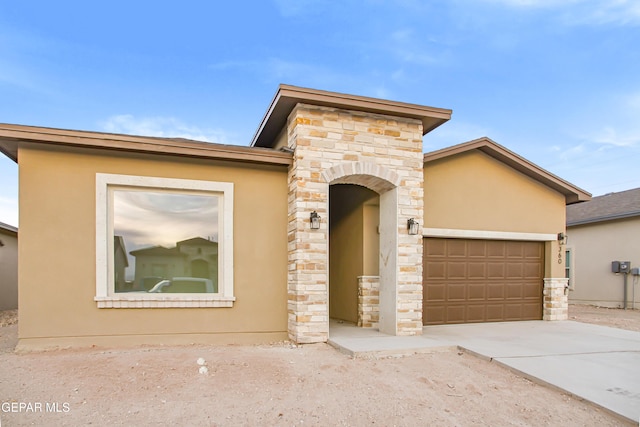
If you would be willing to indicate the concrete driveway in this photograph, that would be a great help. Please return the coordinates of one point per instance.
(597, 363)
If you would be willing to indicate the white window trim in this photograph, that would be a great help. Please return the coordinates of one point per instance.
(572, 270)
(107, 298)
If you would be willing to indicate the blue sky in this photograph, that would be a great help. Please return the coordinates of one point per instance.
(557, 81)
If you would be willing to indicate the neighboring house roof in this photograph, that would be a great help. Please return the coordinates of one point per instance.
(491, 148)
(11, 136)
(158, 251)
(624, 204)
(8, 229)
(197, 241)
(287, 97)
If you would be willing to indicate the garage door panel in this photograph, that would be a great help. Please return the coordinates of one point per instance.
(477, 249)
(456, 270)
(531, 291)
(455, 314)
(495, 312)
(435, 292)
(531, 311)
(476, 270)
(475, 314)
(476, 291)
(513, 291)
(435, 270)
(532, 270)
(435, 248)
(482, 280)
(456, 292)
(515, 271)
(512, 312)
(533, 250)
(495, 291)
(495, 270)
(495, 249)
(434, 315)
(515, 249)
(456, 249)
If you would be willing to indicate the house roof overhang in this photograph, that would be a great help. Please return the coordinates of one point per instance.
(491, 148)
(287, 97)
(8, 229)
(12, 136)
(608, 207)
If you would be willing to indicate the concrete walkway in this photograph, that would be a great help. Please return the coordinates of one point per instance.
(596, 363)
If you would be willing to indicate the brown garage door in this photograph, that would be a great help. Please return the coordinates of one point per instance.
(467, 281)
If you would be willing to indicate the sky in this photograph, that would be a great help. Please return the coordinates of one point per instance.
(556, 81)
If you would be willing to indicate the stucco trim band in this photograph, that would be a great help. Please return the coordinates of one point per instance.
(486, 234)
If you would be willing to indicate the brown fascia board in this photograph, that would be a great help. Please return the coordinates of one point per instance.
(572, 193)
(13, 135)
(287, 97)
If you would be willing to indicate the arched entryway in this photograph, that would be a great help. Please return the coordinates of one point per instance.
(382, 182)
(354, 219)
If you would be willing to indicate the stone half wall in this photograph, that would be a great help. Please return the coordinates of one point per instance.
(555, 302)
(368, 299)
(383, 153)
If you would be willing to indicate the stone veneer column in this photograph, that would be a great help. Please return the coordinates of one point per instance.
(383, 153)
(555, 300)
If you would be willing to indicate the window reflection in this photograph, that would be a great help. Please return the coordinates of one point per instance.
(165, 241)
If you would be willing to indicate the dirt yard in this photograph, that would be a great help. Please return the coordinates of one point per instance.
(278, 384)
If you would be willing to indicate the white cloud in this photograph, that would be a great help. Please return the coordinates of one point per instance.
(412, 48)
(611, 136)
(167, 127)
(534, 3)
(583, 12)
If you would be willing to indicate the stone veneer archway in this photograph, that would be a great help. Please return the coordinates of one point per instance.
(384, 182)
(383, 153)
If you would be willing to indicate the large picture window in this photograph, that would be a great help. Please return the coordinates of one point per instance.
(163, 242)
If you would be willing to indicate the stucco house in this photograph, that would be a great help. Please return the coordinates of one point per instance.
(8, 267)
(601, 231)
(332, 211)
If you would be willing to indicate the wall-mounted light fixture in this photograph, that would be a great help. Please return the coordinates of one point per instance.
(562, 238)
(314, 219)
(413, 226)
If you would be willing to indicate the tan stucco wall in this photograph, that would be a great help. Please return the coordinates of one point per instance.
(58, 249)
(8, 270)
(593, 247)
(476, 192)
(473, 191)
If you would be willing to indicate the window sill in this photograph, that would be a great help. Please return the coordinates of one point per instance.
(173, 301)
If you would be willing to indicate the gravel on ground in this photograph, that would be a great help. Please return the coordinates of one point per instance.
(277, 384)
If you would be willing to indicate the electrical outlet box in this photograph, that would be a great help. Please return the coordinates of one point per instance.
(615, 266)
(625, 266)
(635, 271)
(620, 266)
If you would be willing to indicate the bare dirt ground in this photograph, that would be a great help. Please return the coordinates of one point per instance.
(614, 317)
(276, 385)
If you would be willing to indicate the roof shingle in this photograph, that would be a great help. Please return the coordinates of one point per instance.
(611, 206)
